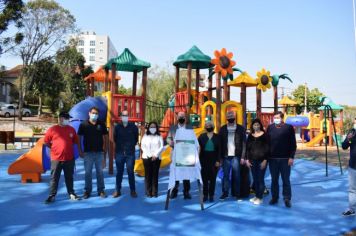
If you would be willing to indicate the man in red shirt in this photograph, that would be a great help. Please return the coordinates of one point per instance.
(60, 139)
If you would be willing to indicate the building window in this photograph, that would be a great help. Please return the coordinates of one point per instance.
(81, 43)
(81, 50)
(92, 43)
(92, 50)
(101, 43)
(92, 58)
(101, 50)
(92, 66)
(101, 58)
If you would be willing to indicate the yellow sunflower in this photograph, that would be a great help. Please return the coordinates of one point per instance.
(263, 80)
(223, 62)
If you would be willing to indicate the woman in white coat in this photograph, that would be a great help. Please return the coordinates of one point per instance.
(151, 146)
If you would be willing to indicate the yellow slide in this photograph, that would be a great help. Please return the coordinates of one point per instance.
(315, 140)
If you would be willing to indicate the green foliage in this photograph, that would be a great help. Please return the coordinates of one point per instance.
(36, 129)
(71, 64)
(312, 98)
(123, 90)
(11, 12)
(349, 117)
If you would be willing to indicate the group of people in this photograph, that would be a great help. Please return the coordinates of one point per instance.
(231, 148)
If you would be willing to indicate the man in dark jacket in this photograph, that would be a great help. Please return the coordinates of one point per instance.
(232, 145)
(350, 141)
(126, 138)
(282, 148)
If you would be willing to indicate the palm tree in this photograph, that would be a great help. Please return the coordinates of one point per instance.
(275, 82)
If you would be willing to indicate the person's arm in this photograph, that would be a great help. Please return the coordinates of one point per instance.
(169, 138)
(243, 145)
(293, 142)
(161, 147)
(48, 138)
(347, 142)
(136, 134)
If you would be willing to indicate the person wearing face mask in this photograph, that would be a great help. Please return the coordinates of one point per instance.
(257, 153)
(185, 132)
(283, 146)
(209, 160)
(151, 146)
(60, 139)
(233, 144)
(350, 142)
(126, 138)
(94, 134)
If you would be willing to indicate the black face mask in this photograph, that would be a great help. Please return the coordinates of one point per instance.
(231, 120)
(209, 129)
(181, 120)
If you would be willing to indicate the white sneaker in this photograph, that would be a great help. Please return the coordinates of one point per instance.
(74, 197)
(253, 199)
(258, 201)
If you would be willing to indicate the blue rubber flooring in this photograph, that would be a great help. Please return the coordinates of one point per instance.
(317, 204)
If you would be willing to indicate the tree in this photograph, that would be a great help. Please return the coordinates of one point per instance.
(313, 98)
(11, 12)
(71, 64)
(48, 81)
(45, 25)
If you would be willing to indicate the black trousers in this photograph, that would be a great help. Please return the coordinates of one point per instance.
(186, 186)
(56, 169)
(151, 176)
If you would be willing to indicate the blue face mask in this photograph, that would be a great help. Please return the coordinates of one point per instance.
(277, 121)
(94, 117)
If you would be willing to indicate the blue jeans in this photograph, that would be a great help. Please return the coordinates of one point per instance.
(232, 163)
(120, 161)
(352, 189)
(280, 167)
(258, 178)
(90, 159)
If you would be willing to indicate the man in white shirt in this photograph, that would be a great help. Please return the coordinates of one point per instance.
(233, 145)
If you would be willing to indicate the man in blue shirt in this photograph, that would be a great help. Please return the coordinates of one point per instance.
(126, 138)
(350, 141)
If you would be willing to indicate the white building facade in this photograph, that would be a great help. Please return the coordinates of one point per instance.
(97, 49)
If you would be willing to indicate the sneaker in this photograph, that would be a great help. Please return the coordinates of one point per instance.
(86, 195)
(74, 197)
(116, 194)
(253, 199)
(258, 201)
(50, 199)
(287, 203)
(273, 201)
(348, 213)
(223, 196)
(102, 194)
(187, 196)
(133, 194)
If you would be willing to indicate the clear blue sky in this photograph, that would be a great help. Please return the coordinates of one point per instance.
(311, 40)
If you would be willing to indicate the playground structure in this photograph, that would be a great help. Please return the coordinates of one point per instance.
(199, 106)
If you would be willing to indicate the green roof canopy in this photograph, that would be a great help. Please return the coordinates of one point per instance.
(198, 59)
(333, 106)
(127, 61)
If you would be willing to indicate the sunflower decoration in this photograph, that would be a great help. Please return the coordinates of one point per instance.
(263, 80)
(223, 63)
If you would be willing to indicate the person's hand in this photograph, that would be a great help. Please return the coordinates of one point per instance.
(248, 164)
(290, 161)
(263, 164)
(350, 135)
(217, 164)
(171, 143)
(242, 162)
(154, 158)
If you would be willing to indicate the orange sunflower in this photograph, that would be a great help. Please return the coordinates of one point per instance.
(223, 62)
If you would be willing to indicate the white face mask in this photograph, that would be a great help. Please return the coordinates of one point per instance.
(277, 121)
(152, 130)
(125, 119)
(65, 122)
